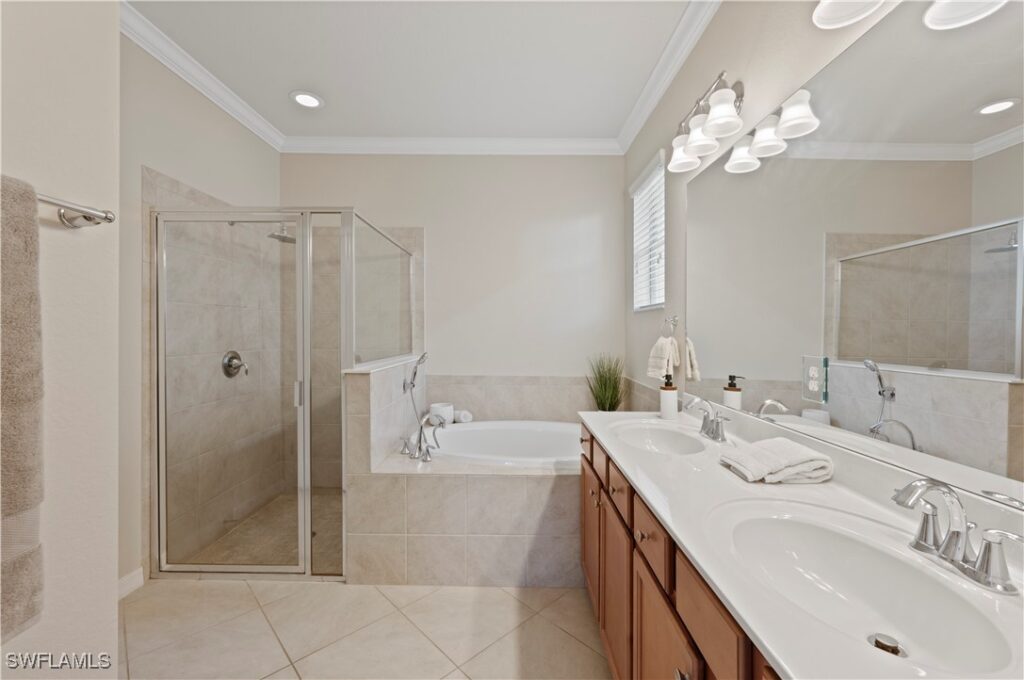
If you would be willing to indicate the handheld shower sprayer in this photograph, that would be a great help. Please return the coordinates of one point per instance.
(411, 382)
(887, 392)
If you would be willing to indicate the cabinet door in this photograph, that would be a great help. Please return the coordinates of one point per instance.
(616, 580)
(590, 531)
(661, 648)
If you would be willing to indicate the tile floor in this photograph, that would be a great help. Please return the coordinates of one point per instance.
(268, 535)
(217, 629)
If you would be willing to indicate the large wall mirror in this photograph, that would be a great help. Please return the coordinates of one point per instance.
(887, 239)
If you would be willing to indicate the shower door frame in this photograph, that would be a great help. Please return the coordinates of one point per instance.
(303, 288)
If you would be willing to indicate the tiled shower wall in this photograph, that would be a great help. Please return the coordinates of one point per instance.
(228, 288)
(492, 397)
(979, 423)
(430, 529)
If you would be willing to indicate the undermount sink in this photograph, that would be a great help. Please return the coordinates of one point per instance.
(658, 436)
(854, 575)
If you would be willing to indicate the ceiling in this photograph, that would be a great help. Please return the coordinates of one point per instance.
(548, 72)
(903, 83)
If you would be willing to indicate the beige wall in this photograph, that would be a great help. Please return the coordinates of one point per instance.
(761, 239)
(60, 133)
(998, 179)
(523, 254)
(774, 48)
(169, 126)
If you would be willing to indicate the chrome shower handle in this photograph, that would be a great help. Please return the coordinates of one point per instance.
(232, 363)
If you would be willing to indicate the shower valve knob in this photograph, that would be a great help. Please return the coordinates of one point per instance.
(232, 363)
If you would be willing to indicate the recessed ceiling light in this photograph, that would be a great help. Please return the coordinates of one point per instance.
(996, 107)
(307, 99)
(831, 14)
(946, 14)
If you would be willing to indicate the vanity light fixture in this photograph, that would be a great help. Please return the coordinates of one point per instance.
(723, 117)
(797, 118)
(831, 14)
(681, 161)
(998, 107)
(766, 142)
(944, 15)
(715, 114)
(698, 143)
(306, 99)
(741, 160)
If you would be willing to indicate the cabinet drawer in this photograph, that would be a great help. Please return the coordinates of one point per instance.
(600, 462)
(653, 542)
(721, 641)
(586, 439)
(621, 493)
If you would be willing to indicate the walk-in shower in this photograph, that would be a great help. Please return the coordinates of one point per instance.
(259, 311)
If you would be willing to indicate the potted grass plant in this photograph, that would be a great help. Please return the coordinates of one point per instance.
(605, 381)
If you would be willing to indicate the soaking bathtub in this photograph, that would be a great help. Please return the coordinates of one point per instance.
(500, 447)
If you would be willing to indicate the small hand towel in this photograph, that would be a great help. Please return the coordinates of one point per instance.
(692, 367)
(779, 460)
(664, 356)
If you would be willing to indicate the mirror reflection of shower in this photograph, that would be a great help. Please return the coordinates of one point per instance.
(1009, 247)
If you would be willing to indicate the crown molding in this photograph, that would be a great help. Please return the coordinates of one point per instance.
(886, 151)
(455, 146)
(695, 19)
(691, 26)
(143, 33)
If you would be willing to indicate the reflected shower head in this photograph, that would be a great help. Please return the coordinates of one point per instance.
(884, 391)
(282, 234)
(872, 366)
(1010, 247)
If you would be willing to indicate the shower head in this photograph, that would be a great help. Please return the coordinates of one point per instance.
(884, 391)
(872, 366)
(1009, 247)
(282, 234)
(422, 359)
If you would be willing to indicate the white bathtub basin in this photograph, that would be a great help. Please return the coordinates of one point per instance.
(509, 444)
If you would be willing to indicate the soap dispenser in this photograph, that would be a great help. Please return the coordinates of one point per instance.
(732, 394)
(669, 399)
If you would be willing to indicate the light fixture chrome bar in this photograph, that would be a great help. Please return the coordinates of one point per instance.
(86, 215)
(719, 82)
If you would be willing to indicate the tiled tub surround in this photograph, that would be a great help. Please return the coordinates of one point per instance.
(979, 423)
(228, 451)
(498, 397)
(427, 529)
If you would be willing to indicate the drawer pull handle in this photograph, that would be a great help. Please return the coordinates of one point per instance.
(640, 536)
(681, 676)
(593, 493)
(583, 440)
(597, 502)
(611, 490)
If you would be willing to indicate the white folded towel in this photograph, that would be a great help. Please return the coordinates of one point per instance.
(778, 460)
(463, 417)
(664, 355)
(692, 367)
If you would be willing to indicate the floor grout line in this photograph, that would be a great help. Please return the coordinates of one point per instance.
(430, 640)
(272, 629)
(367, 625)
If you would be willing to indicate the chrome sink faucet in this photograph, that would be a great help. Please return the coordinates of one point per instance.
(762, 412)
(986, 567)
(713, 425)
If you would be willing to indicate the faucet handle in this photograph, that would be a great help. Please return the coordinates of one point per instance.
(927, 539)
(970, 553)
(990, 568)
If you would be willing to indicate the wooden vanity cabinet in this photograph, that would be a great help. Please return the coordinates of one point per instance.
(659, 620)
(616, 589)
(590, 531)
(662, 650)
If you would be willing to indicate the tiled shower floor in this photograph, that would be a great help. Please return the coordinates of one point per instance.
(268, 535)
(289, 629)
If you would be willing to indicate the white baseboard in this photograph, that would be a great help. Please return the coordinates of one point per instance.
(129, 583)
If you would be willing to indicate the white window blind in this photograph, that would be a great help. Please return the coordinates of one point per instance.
(649, 237)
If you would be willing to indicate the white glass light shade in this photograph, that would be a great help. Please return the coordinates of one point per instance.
(797, 119)
(681, 161)
(700, 144)
(946, 14)
(722, 118)
(831, 14)
(741, 160)
(766, 141)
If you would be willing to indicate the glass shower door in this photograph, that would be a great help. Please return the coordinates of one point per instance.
(230, 470)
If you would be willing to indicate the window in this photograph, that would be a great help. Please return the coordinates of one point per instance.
(648, 194)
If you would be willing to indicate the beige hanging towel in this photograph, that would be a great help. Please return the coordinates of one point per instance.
(21, 402)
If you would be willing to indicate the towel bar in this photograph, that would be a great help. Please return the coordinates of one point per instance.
(86, 216)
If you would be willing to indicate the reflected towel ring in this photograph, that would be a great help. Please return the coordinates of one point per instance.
(670, 322)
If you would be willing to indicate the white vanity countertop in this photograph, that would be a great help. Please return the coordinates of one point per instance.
(693, 496)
